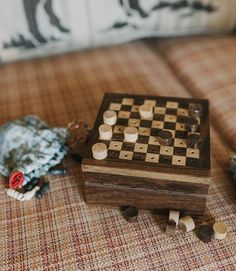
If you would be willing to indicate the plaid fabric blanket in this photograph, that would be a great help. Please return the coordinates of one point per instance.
(60, 231)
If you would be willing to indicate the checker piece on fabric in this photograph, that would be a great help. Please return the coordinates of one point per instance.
(145, 173)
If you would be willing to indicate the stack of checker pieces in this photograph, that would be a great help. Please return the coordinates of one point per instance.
(147, 174)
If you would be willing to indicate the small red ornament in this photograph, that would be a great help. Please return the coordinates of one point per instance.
(16, 179)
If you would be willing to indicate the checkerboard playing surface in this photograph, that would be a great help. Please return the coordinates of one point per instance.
(169, 114)
(155, 171)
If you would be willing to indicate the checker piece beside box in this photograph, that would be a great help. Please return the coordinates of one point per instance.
(149, 152)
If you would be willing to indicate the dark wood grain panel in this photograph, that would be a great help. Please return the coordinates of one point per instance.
(112, 195)
(147, 183)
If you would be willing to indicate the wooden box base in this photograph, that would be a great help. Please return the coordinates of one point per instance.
(114, 190)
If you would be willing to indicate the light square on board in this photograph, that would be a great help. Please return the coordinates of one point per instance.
(157, 124)
(140, 148)
(179, 142)
(151, 103)
(151, 157)
(193, 153)
(115, 145)
(134, 122)
(172, 104)
(135, 108)
(153, 141)
(118, 129)
(127, 155)
(166, 150)
(180, 126)
(170, 118)
(115, 106)
(160, 110)
(182, 112)
(179, 160)
(144, 131)
(128, 101)
(124, 114)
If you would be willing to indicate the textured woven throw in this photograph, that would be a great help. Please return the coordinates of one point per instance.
(29, 145)
(233, 166)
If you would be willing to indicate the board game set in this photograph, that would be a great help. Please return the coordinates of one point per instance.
(149, 152)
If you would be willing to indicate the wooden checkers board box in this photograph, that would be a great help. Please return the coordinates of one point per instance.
(147, 174)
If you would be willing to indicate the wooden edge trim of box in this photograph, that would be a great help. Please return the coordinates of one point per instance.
(145, 174)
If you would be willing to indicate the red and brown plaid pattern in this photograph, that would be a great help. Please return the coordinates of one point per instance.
(61, 232)
(207, 68)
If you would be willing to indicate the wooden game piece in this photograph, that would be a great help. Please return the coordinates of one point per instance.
(165, 138)
(130, 213)
(22, 196)
(105, 131)
(78, 133)
(194, 141)
(174, 216)
(195, 110)
(45, 187)
(191, 124)
(146, 111)
(171, 228)
(220, 230)
(205, 233)
(131, 134)
(99, 151)
(110, 117)
(29, 186)
(186, 223)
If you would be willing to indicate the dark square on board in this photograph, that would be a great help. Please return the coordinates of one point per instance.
(143, 139)
(122, 122)
(117, 137)
(181, 134)
(171, 111)
(139, 156)
(165, 159)
(113, 154)
(169, 125)
(153, 149)
(134, 115)
(155, 131)
(179, 151)
(158, 117)
(145, 123)
(192, 162)
(125, 107)
(127, 146)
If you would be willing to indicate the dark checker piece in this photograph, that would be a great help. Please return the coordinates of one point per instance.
(195, 110)
(130, 213)
(165, 138)
(194, 141)
(191, 124)
(205, 233)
